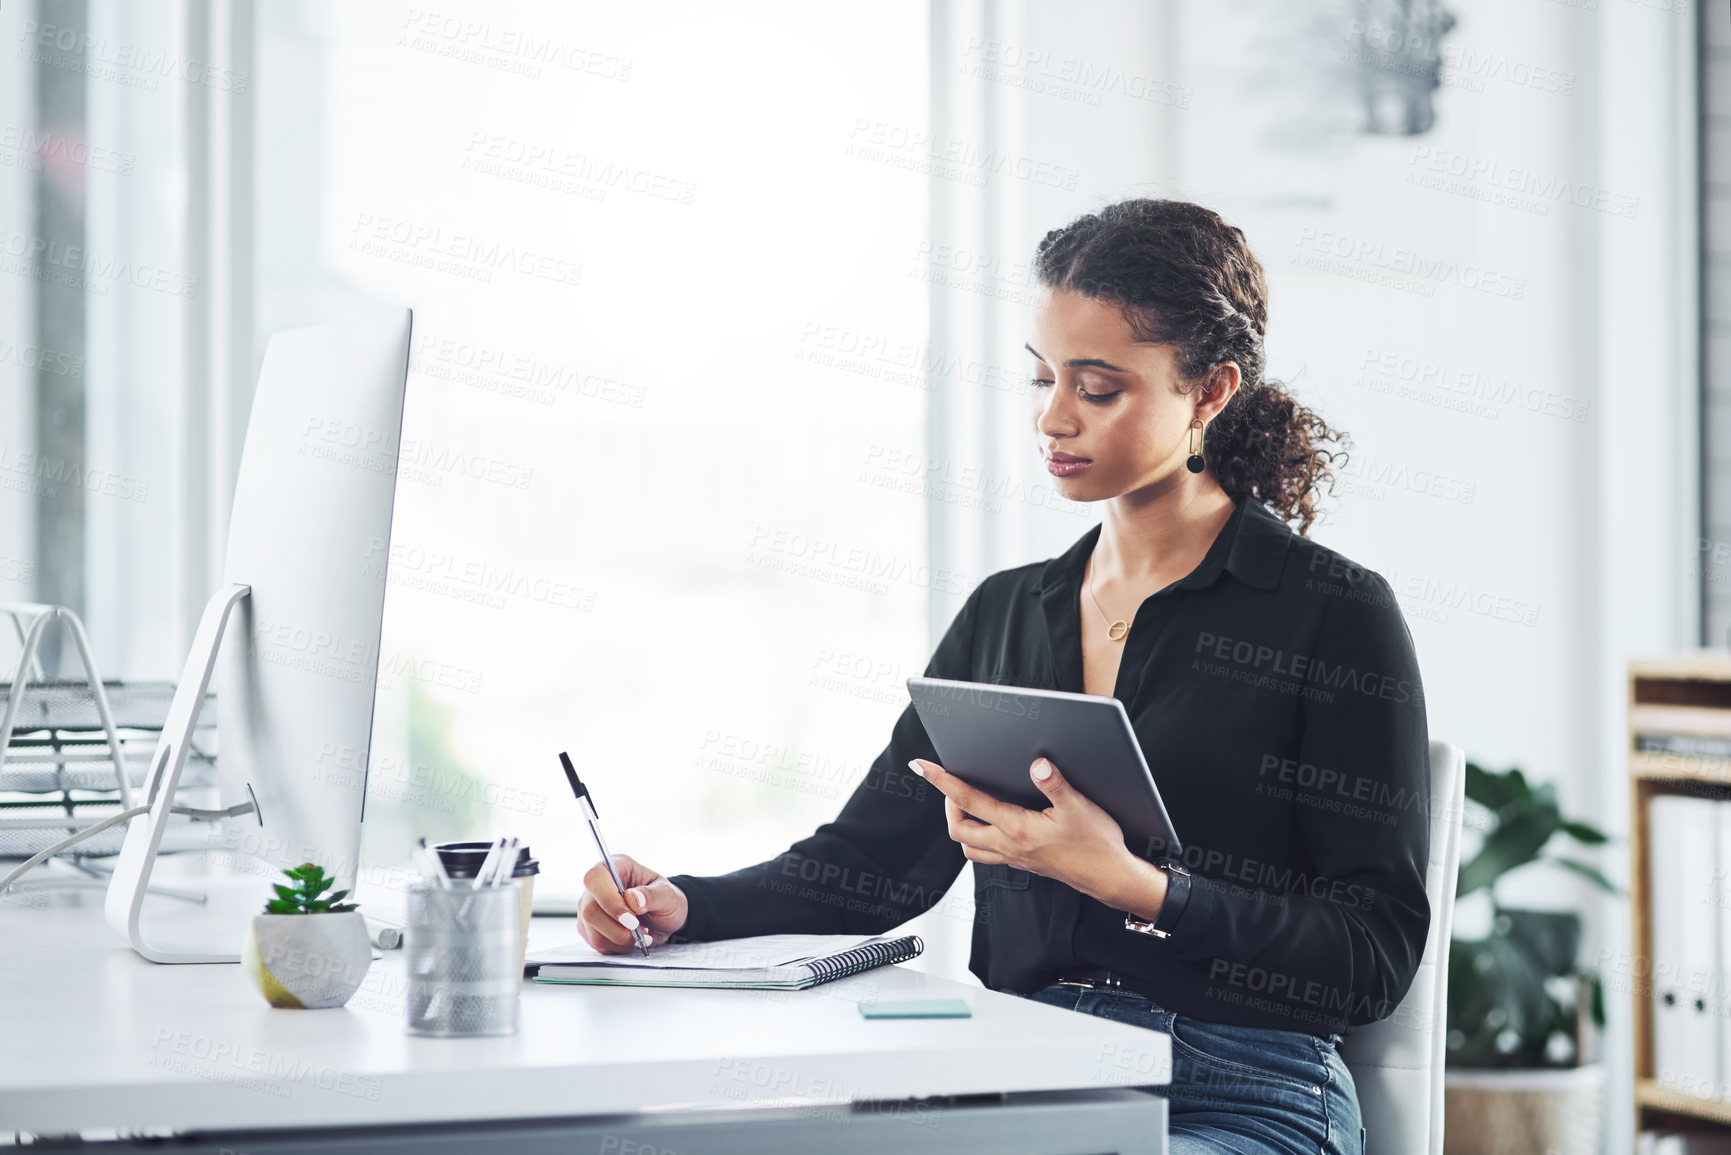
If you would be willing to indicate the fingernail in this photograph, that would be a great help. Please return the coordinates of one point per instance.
(915, 767)
(628, 921)
(1042, 769)
(637, 899)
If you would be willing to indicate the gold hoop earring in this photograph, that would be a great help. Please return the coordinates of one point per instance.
(1194, 462)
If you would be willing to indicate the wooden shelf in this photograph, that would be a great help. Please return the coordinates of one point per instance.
(1700, 679)
(1649, 1094)
(1701, 665)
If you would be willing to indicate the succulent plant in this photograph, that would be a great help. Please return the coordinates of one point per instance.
(310, 881)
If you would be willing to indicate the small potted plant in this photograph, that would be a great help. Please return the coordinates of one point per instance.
(1518, 1075)
(308, 949)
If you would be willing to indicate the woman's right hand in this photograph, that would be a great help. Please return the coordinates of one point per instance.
(606, 922)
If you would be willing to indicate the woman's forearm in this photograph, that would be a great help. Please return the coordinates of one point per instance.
(1138, 887)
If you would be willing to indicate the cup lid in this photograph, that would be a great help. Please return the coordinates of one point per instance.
(464, 859)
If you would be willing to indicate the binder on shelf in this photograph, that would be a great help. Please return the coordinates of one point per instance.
(1687, 745)
(1718, 896)
(1683, 852)
(1682, 1143)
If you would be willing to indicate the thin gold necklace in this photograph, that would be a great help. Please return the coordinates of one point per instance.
(1116, 630)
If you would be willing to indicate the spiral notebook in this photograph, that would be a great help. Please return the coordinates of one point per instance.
(789, 962)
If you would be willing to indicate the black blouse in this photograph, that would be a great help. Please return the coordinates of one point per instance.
(1276, 696)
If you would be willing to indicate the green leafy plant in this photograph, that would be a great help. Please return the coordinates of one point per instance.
(1512, 993)
(310, 881)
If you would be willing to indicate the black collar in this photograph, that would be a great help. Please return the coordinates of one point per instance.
(1251, 546)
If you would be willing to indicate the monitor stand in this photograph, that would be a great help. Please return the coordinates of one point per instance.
(126, 889)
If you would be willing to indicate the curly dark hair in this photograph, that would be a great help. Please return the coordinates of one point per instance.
(1182, 275)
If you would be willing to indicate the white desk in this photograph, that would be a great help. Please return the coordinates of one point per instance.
(100, 1042)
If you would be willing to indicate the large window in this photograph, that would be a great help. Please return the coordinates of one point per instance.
(651, 506)
(639, 511)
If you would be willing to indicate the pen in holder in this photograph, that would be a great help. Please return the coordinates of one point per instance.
(463, 860)
(463, 954)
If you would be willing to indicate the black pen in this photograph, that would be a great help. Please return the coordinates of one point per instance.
(588, 804)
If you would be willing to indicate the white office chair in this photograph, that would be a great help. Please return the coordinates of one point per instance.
(1397, 1062)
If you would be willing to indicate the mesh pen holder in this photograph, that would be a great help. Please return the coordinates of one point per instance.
(464, 973)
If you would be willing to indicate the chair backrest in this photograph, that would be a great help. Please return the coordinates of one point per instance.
(1397, 1062)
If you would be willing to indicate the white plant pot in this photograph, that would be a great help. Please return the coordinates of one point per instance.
(1524, 1112)
(307, 960)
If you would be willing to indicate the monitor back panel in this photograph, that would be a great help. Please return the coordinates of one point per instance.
(310, 533)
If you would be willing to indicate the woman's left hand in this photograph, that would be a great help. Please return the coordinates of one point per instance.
(1073, 841)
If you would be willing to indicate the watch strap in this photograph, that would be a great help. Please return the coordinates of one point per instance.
(1177, 897)
(1171, 908)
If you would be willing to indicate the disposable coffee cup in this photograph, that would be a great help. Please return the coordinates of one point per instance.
(462, 860)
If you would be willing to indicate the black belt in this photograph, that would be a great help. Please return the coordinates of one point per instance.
(1091, 978)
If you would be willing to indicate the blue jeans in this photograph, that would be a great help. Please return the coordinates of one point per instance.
(1238, 1090)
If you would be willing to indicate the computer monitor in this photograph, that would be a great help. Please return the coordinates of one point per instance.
(304, 585)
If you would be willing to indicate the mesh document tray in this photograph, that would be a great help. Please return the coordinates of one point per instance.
(57, 776)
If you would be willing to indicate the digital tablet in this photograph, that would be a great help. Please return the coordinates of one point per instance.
(988, 736)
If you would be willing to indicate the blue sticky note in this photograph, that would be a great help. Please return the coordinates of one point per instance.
(917, 1009)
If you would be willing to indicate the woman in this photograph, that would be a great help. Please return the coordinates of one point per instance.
(1272, 685)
